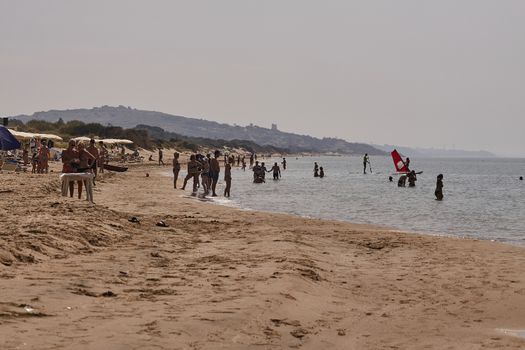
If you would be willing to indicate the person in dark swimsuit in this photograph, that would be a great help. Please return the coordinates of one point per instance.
(439, 188)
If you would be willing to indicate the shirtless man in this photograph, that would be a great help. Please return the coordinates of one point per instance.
(276, 171)
(93, 150)
(215, 170)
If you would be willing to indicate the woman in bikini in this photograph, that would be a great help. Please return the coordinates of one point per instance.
(70, 163)
(84, 164)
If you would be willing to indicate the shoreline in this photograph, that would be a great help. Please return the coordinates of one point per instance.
(212, 200)
(217, 277)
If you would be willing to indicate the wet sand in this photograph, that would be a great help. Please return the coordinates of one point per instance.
(81, 276)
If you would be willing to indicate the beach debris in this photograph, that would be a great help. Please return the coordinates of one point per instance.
(108, 294)
(134, 219)
(299, 333)
(311, 274)
(162, 224)
(55, 204)
(28, 308)
(124, 273)
(341, 332)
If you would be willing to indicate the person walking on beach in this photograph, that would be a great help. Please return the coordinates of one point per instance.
(193, 172)
(243, 165)
(161, 155)
(316, 170)
(276, 171)
(176, 169)
(321, 172)
(284, 163)
(215, 170)
(366, 161)
(439, 188)
(227, 179)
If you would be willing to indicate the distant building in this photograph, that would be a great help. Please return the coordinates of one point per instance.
(274, 127)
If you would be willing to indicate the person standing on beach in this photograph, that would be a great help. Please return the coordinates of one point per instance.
(102, 155)
(215, 170)
(366, 160)
(407, 163)
(243, 165)
(321, 172)
(227, 179)
(439, 188)
(193, 172)
(316, 170)
(205, 173)
(284, 163)
(94, 151)
(276, 171)
(176, 169)
(161, 155)
(70, 163)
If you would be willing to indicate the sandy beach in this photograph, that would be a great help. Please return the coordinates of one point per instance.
(79, 276)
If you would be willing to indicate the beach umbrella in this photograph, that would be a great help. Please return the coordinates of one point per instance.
(22, 135)
(81, 138)
(117, 141)
(7, 140)
(30, 135)
(50, 137)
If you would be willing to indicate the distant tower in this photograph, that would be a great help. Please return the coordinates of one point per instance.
(274, 127)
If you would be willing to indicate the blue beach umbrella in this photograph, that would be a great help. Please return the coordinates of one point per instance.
(7, 140)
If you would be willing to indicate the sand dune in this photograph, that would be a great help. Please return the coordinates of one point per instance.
(81, 276)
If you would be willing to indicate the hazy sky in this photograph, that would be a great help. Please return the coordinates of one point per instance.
(419, 73)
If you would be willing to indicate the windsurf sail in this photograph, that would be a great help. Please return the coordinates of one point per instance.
(400, 165)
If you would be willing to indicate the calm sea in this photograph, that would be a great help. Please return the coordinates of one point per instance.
(483, 197)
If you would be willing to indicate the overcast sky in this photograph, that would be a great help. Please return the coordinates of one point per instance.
(444, 73)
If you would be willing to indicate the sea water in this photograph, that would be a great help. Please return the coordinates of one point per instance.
(483, 197)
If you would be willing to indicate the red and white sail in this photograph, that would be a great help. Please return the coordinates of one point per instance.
(400, 165)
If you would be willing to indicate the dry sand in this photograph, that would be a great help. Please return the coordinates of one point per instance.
(81, 276)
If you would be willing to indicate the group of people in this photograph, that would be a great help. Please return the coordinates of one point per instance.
(208, 169)
(77, 158)
(259, 172)
(40, 155)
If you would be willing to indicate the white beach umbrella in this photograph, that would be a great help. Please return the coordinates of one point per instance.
(81, 138)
